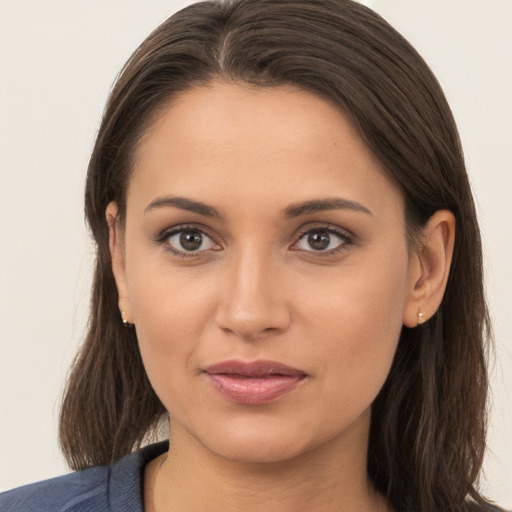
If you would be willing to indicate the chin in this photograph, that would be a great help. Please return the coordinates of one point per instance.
(259, 451)
(258, 442)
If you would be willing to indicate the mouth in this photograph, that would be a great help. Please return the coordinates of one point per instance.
(253, 383)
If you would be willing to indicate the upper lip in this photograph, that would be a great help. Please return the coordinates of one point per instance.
(260, 368)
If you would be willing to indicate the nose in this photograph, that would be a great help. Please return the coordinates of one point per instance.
(252, 302)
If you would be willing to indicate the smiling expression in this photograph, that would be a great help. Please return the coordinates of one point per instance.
(261, 229)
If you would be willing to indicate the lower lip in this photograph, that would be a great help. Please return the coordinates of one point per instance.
(254, 390)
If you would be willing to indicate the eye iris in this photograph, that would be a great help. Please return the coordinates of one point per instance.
(319, 240)
(191, 240)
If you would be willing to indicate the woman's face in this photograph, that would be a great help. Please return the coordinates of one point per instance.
(260, 229)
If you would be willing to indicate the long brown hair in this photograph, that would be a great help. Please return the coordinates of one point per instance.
(428, 424)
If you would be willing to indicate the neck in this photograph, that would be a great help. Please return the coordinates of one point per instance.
(330, 477)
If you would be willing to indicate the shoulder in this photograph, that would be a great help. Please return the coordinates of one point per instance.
(102, 488)
(84, 489)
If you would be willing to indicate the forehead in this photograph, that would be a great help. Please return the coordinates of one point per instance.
(246, 115)
(239, 139)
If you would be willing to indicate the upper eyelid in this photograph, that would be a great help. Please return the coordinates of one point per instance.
(347, 239)
(167, 232)
(326, 226)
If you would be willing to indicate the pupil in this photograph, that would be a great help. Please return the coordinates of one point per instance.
(190, 240)
(319, 240)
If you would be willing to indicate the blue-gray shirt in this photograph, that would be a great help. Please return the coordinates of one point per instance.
(116, 488)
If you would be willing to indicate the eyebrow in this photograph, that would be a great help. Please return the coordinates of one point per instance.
(322, 205)
(184, 204)
(294, 210)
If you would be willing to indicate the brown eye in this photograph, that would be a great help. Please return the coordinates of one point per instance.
(190, 240)
(319, 240)
(322, 240)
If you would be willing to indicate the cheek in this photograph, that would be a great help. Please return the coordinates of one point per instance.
(170, 313)
(167, 301)
(357, 322)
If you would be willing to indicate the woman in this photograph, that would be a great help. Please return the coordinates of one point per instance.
(289, 265)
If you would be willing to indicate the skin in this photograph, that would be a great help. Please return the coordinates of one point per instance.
(257, 289)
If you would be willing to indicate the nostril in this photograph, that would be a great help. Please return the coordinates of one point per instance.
(251, 312)
(248, 333)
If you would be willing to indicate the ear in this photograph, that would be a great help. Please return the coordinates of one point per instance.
(429, 268)
(118, 265)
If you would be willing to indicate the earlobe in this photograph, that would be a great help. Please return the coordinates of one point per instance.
(430, 268)
(118, 264)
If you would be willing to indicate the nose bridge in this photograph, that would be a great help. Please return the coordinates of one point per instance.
(252, 303)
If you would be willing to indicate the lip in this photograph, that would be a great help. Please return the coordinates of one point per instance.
(253, 382)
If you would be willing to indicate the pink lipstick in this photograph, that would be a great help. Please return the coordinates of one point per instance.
(253, 383)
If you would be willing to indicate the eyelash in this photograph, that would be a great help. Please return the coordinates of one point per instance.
(164, 236)
(346, 238)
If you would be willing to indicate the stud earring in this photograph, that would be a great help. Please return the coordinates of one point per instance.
(421, 318)
(123, 318)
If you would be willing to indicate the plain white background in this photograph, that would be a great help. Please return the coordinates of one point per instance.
(57, 62)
